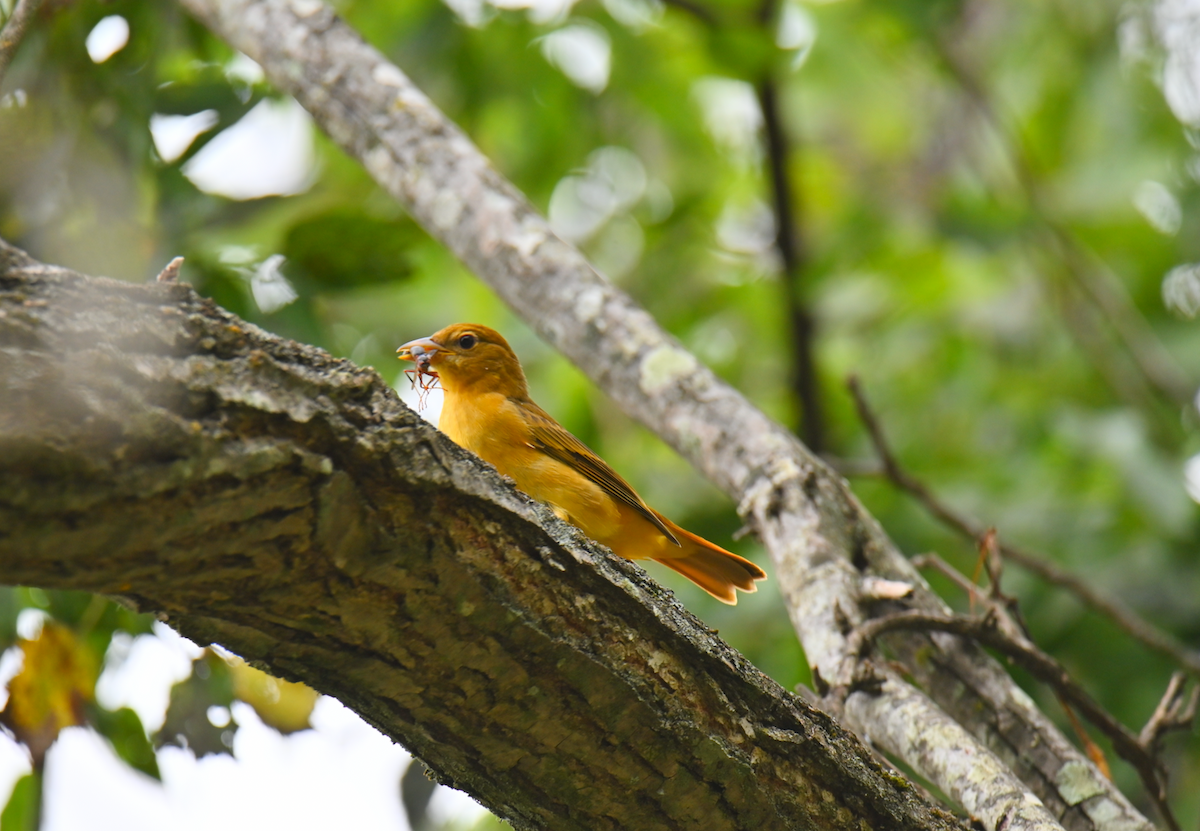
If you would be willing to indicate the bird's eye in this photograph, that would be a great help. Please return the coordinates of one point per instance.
(467, 341)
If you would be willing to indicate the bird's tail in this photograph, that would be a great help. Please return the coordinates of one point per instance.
(712, 568)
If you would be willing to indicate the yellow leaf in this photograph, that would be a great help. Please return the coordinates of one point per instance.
(285, 705)
(49, 693)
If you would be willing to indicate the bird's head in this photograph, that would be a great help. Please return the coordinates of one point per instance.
(468, 356)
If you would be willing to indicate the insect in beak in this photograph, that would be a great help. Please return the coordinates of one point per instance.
(421, 352)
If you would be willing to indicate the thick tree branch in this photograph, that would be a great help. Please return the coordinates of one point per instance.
(821, 540)
(286, 504)
(989, 791)
(998, 632)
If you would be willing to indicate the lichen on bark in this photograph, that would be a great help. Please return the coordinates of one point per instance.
(261, 494)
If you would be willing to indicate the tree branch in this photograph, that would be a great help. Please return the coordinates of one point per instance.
(820, 538)
(1173, 712)
(286, 504)
(790, 243)
(1006, 640)
(1111, 608)
(14, 31)
(989, 791)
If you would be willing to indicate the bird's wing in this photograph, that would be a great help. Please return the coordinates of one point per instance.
(552, 439)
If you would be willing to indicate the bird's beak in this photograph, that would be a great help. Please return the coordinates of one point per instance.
(421, 352)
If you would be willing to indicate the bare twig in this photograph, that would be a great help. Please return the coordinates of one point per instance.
(792, 251)
(789, 241)
(989, 631)
(1006, 614)
(1172, 713)
(989, 559)
(1116, 611)
(999, 607)
(897, 475)
(1129, 620)
(820, 538)
(938, 564)
(993, 563)
(14, 31)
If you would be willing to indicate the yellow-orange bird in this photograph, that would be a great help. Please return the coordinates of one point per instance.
(488, 411)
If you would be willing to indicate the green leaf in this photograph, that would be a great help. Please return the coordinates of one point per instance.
(343, 248)
(24, 808)
(187, 723)
(125, 733)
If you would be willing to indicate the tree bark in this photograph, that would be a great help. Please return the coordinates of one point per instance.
(823, 544)
(261, 494)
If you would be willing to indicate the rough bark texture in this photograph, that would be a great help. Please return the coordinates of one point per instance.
(286, 504)
(821, 540)
(987, 789)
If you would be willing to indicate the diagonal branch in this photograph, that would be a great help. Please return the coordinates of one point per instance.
(1111, 608)
(14, 31)
(820, 538)
(989, 631)
(286, 504)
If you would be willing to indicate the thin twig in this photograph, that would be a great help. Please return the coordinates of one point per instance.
(1123, 616)
(993, 562)
(996, 606)
(1006, 613)
(793, 252)
(14, 31)
(988, 631)
(938, 564)
(788, 239)
(1129, 620)
(989, 556)
(1171, 714)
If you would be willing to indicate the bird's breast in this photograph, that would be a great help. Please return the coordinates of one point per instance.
(484, 425)
(492, 427)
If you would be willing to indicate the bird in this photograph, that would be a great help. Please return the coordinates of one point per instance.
(487, 410)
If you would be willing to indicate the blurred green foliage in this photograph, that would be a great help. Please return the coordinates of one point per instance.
(187, 723)
(966, 174)
(22, 811)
